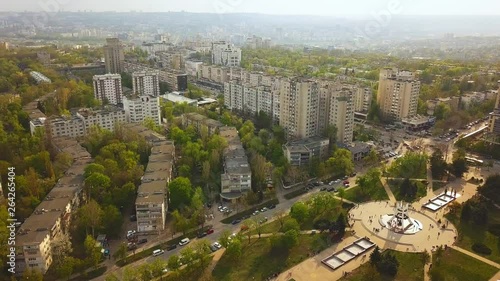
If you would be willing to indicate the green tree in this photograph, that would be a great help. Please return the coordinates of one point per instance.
(341, 162)
(184, 171)
(90, 216)
(300, 212)
(234, 249)
(67, 267)
(112, 220)
(180, 192)
(92, 252)
(121, 252)
(438, 165)
(173, 262)
(459, 165)
(291, 224)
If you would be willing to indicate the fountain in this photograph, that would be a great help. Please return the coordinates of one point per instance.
(400, 222)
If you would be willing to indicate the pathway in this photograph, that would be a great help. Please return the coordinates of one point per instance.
(496, 277)
(427, 268)
(388, 190)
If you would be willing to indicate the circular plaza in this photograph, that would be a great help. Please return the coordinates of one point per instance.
(415, 231)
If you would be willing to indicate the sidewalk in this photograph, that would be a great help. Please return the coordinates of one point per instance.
(388, 190)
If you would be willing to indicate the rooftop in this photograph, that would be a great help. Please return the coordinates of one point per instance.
(176, 98)
(151, 192)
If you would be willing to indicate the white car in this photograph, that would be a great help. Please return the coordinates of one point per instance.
(263, 209)
(217, 245)
(184, 241)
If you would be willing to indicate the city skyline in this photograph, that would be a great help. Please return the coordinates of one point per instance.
(278, 7)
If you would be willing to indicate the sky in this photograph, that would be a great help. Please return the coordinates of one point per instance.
(277, 7)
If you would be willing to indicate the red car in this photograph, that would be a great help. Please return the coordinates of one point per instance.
(210, 231)
(346, 182)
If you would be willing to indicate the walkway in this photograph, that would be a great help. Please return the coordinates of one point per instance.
(388, 190)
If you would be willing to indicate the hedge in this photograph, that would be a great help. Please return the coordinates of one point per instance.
(481, 249)
(147, 252)
(296, 193)
(91, 274)
(494, 229)
(250, 211)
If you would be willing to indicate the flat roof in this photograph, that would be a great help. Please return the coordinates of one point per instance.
(37, 226)
(151, 192)
(178, 98)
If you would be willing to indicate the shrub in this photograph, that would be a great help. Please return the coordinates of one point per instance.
(481, 249)
(494, 229)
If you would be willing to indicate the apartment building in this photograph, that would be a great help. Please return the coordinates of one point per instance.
(173, 60)
(341, 113)
(106, 117)
(151, 202)
(236, 180)
(39, 77)
(108, 88)
(199, 121)
(177, 80)
(248, 98)
(193, 68)
(138, 108)
(398, 93)
(494, 120)
(363, 99)
(50, 221)
(299, 104)
(301, 152)
(226, 54)
(146, 83)
(80, 122)
(215, 74)
(113, 55)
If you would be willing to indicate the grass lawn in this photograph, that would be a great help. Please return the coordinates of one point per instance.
(257, 262)
(453, 265)
(411, 267)
(394, 185)
(355, 194)
(471, 233)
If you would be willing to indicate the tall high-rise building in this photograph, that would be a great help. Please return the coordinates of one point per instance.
(363, 99)
(108, 88)
(398, 93)
(224, 53)
(299, 100)
(145, 83)
(138, 108)
(336, 107)
(494, 122)
(342, 113)
(113, 55)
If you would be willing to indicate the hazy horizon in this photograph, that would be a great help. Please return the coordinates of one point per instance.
(276, 7)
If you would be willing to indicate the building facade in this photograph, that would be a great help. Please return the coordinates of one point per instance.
(146, 83)
(226, 54)
(301, 152)
(108, 88)
(363, 99)
(151, 202)
(113, 55)
(398, 93)
(494, 120)
(299, 103)
(236, 179)
(139, 108)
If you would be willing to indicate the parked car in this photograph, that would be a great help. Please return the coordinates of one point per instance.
(331, 183)
(237, 221)
(263, 220)
(210, 231)
(215, 246)
(255, 213)
(133, 218)
(158, 252)
(330, 189)
(142, 241)
(323, 188)
(171, 247)
(346, 185)
(184, 241)
(272, 206)
(263, 209)
(131, 246)
(345, 177)
(353, 175)
(337, 181)
(202, 234)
